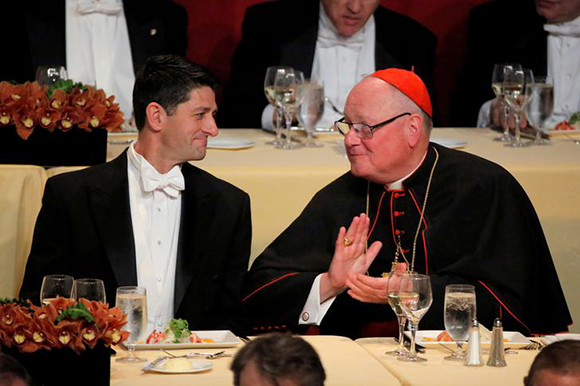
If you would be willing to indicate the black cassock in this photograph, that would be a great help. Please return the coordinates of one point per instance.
(479, 228)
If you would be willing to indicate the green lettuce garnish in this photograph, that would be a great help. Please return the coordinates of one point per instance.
(75, 312)
(180, 328)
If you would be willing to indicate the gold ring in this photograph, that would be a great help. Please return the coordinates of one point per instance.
(347, 242)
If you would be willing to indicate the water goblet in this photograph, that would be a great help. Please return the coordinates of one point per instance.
(497, 78)
(54, 286)
(90, 289)
(540, 106)
(393, 288)
(514, 84)
(310, 108)
(285, 87)
(415, 298)
(459, 311)
(269, 81)
(133, 302)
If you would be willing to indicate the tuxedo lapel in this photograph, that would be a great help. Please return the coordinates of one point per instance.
(109, 201)
(197, 217)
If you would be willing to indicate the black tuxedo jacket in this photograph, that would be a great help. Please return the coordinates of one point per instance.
(38, 36)
(285, 33)
(84, 229)
(498, 32)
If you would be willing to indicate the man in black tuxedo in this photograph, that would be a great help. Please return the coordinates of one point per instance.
(288, 33)
(150, 218)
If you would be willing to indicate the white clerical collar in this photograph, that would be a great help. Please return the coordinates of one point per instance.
(569, 28)
(327, 30)
(398, 185)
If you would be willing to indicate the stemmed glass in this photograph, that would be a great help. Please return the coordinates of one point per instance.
(269, 82)
(540, 106)
(415, 298)
(133, 302)
(497, 78)
(514, 83)
(90, 289)
(459, 311)
(55, 285)
(48, 75)
(311, 108)
(393, 287)
(285, 87)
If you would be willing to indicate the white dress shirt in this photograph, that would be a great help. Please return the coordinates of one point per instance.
(563, 71)
(155, 201)
(339, 63)
(98, 51)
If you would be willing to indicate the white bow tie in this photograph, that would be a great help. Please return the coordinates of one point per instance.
(171, 183)
(565, 29)
(105, 7)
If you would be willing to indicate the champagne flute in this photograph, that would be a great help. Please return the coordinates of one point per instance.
(540, 106)
(459, 311)
(49, 75)
(269, 81)
(90, 289)
(393, 288)
(54, 286)
(133, 302)
(497, 78)
(514, 83)
(285, 95)
(415, 298)
(310, 109)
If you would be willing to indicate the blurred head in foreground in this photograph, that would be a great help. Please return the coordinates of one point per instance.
(12, 373)
(278, 360)
(558, 364)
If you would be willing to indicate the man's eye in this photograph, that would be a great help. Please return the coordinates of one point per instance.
(199, 115)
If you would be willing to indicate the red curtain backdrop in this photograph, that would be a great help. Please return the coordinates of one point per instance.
(215, 30)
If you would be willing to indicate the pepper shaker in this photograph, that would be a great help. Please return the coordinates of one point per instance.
(474, 357)
(497, 355)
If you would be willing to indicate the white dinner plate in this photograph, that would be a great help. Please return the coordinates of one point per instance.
(562, 132)
(450, 143)
(548, 339)
(197, 365)
(427, 338)
(221, 339)
(229, 144)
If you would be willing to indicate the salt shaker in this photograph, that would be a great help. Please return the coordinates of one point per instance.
(474, 357)
(497, 355)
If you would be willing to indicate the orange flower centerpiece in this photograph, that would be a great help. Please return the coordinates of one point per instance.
(37, 118)
(62, 333)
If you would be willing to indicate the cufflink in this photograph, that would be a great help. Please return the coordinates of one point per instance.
(305, 316)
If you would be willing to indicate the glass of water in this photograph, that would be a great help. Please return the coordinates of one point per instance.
(133, 302)
(459, 311)
(311, 108)
(540, 106)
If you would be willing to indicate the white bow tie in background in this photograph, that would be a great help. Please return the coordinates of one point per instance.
(171, 183)
(107, 7)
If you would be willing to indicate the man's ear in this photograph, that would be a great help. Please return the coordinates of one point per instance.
(415, 129)
(156, 116)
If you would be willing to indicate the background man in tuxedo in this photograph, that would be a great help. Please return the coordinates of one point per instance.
(150, 218)
(335, 41)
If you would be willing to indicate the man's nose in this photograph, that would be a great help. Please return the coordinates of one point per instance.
(354, 6)
(351, 138)
(210, 127)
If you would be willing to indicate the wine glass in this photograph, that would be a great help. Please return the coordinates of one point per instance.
(133, 302)
(310, 109)
(285, 87)
(514, 83)
(54, 286)
(49, 75)
(415, 298)
(540, 106)
(269, 81)
(90, 289)
(497, 78)
(393, 288)
(459, 311)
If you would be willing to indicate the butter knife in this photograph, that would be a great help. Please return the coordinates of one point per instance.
(153, 363)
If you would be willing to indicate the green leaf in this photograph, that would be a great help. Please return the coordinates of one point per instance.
(574, 118)
(67, 85)
(179, 327)
(75, 312)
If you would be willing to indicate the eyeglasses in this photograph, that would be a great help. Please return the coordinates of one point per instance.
(363, 130)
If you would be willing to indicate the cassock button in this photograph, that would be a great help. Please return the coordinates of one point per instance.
(305, 316)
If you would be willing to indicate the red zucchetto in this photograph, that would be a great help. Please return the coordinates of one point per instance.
(409, 84)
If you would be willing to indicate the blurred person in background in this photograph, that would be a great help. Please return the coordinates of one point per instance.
(334, 41)
(543, 35)
(13, 373)
(558, 364)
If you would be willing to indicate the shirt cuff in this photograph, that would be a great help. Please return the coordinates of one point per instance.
(313, 312)
(483, 119)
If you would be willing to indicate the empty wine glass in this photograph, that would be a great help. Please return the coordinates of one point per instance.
(269, 82)
(54, 286)
(393, 288)
(497, 78)
(90, 289)
(133, 302)
(459, 311)
(311, 108)
(49, 75)
(285, 87)
(415, 298)
(514, 83)
(540, 106)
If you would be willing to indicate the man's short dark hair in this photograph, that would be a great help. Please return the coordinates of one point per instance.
(12, 371)
(561, 357)
(280, 357)
(167, 80)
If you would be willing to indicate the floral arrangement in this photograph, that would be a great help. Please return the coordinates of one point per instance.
(62, 323)
(60, 106)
